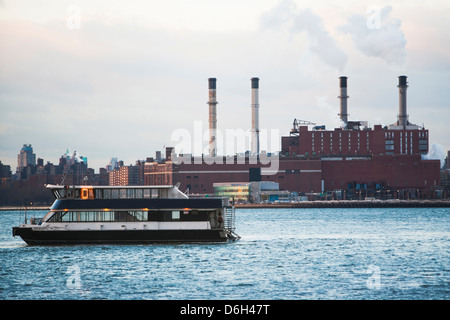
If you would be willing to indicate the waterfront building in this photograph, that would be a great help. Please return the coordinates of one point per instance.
(254, 192)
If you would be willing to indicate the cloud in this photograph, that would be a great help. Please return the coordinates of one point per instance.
(321, 43)
(378, 35)
(116, 89)
(279, 15)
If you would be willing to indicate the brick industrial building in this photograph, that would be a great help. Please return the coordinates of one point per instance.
(353, 161)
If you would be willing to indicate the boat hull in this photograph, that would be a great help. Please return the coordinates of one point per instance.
(66, 237)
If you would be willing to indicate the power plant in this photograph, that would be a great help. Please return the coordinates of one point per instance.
(351, 161)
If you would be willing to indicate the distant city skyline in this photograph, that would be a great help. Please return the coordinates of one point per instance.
(28, 157)
(116, 80)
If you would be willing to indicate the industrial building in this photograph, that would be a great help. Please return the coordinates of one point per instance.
(255, 191)
(353, 161)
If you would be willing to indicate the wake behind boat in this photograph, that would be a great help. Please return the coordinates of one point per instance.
(129, 214)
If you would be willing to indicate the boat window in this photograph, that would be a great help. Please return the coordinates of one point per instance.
(91, 216)
(114, 194)
(98, 216)
(67, 216)
(56, 193)
(98, 193)
(130, 193)
(128, 216)
(47, 216)
(155, 194)
(125, 216)
(140, 215)
(106, 194)
(147, 193)
(81, 216)
(163, 193)
(138, 193)
(107, 216)
(59, 217)
(155, 216)
(119, 216)
(175, 215)
(54, 217)
(123, 193)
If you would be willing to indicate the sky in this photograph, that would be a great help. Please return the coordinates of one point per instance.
(123, 78)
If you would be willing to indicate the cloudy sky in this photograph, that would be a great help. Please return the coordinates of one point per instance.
(118, 78)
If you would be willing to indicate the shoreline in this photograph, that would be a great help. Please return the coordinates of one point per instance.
(352, 204)
(307, 204)
(22, 208)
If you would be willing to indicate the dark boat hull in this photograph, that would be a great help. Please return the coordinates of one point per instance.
(67, 237)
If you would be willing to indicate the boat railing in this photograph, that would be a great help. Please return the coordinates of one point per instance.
(229, 223)
(229, 219)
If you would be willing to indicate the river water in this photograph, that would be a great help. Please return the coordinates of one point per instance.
(289, 254)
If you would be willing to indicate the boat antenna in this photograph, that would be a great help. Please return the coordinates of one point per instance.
(64, 177)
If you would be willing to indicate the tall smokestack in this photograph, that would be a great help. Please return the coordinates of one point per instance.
(255, 116)
(212, 117)
(402, 116)
(343, 97)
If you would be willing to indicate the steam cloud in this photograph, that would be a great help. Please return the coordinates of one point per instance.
(384, 40)
(321, 43)
(436, 152)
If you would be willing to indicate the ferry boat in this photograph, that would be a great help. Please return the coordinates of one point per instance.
(129, 214)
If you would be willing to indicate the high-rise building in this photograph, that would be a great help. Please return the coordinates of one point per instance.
(5, 173)
(26, 157)
(126, 176)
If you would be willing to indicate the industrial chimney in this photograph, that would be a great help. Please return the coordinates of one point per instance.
(343, 97)
(255, 116)
(212, 117)
(402, 116)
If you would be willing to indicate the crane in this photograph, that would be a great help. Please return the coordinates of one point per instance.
(297, 123)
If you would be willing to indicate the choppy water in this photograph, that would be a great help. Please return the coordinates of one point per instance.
(283, 254)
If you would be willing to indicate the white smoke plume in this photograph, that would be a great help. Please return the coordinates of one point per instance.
(378, 35)
(321, 43)
(436, 152)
